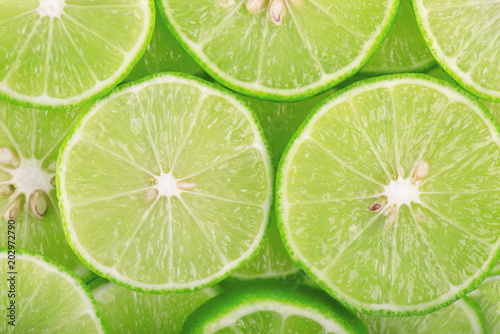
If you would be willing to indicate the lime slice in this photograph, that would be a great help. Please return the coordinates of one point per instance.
(128, 311)
(164, 54)
(29, 144)
(463, 316)
(272, 308)
(41, 296)
(166, 184)
(404, 50)
(463, 37)
(62, 53)
(487, 296)
(388, 194)
(279, 121)
(288, 50)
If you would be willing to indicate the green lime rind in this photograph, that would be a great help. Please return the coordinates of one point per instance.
(275, 296)
(92, 94)
(126, 310)
(463, 316)
(487, 296)
(74, 282)
(404, 50)
(164, 54)
(474, 31)
(98, 269)
(343, 298)
(283, 95)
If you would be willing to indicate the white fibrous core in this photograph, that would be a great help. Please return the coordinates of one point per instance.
(51, 8)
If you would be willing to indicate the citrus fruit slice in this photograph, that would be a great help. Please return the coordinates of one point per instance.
(164, 54)
(128, 311)
(487, 295)
(404, 50)
(463, 37)
(387, 195)
(279, 121)
(166, 185)
(29, 145)
(42, 296)
(281, 50)
(463, 316)
(57, 54)
(272, 308)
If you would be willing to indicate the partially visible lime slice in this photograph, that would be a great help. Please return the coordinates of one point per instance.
(272, 308)
(404, 50)
(29, 144)
(463, 316)
(164, 54)
(279, 121)
(287, 50)
(388, 195)
(487, 295)
(128, 311)
(44, 297)
(166, 185)
(56, 54)
(463, 37)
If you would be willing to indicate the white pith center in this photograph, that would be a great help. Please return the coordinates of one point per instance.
(402, 191)
(167, 185)
(51, 8)
(30, 177)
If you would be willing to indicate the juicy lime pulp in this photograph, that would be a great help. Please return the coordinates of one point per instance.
(165, 185)
(487, 295)
(404, 49)
(49, 298)
(57, 54)
(463, 37)
(315, 45)
(387, 195)
(463, 316)
(29, 144)
(272, 308)
(279, 122)
(128, 311)
(164, 54)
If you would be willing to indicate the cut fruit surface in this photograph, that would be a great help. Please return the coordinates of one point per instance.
(388, 195)
(284, 50)
(29, 145)
(463, 316)
(279, 121)
(128, 311)
(164, 54)
(166, 185)
(487, 295)
(57, 54)
(404, 50)
(48, 297)
(463, 37)
(272, 308)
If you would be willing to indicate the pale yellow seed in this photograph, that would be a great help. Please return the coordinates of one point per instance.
(422, 170)
(186, 185)
(277, 12)
(391, 218)
(6, 191)
(420, 216)
(52, 166)
(8, 157)
(378, 205)
(255, 6)
(39, 204)
(226, 3)
(13, 209)
(150, 195)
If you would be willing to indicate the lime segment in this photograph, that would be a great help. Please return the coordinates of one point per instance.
(166, 185)
(387, 194)
(487, 296)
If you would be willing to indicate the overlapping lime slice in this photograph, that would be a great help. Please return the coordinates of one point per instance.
(128, 311)
(281, 50)
(164, 54)
(29, 144)
(388, 195)
(463, 316)
(41, 296)
(272, 308)
(463, 37)
(166, 185)
(487, 295)
(404, 50)
(56, 54)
